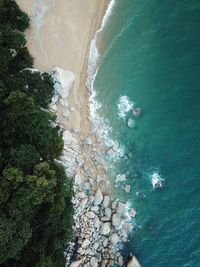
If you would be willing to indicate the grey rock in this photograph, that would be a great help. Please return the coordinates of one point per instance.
(114, 239)
(106, 201)
(116, 220)
(105, 228)
(98, 198)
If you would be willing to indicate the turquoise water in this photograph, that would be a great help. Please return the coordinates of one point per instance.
(152, 55)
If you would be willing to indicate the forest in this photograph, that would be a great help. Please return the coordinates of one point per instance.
(36, 214)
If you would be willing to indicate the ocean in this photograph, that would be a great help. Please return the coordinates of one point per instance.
(148, 60)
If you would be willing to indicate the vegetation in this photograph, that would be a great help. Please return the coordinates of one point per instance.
(35, 194)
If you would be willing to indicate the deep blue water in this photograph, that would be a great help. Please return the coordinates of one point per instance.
(152, 55)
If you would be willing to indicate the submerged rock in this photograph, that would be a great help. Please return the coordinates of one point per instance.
(133, 262)
(121, 178)
(131, 123)
(127, 188)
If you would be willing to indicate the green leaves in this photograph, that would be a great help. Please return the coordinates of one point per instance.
(36, 213)
(13, 237)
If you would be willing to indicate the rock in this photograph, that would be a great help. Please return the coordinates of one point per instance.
(94, 262)
(108, 212)
(121, 207)
(127, 188)
(90, 214)
(105, 219)
(77, 180)
(133, 262)
(98, 198)
(132, 213)
(104, 263)
(86, 186)
(76, 263)
(116, 220)
(80, 161)
(95, 246)
(120, 261)
(95, 209)
(63, 81)
(85, 243)
(83, 203)
(137, 111)
(131, 123)
(106, 201)
(88, 141)
(114, 204)
(126, 229)
(96, 222)
(121, 178)
(105, 228)
(81, 195)
(105, 242)
(114, 239)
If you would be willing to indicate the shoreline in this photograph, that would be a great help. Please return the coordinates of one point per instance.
(100, 221)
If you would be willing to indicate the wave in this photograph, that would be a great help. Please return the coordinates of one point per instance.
(107, 15)
(102, 127)
(124, 106)
(94, 55)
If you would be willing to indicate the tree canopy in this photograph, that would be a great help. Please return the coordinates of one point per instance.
(35, 194)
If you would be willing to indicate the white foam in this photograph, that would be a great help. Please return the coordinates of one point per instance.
(107, 14)
(102, 128)
(94, 55)
(124, 106)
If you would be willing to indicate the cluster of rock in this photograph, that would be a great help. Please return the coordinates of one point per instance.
(101, 222)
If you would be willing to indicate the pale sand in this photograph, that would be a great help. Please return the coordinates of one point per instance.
(60, 35)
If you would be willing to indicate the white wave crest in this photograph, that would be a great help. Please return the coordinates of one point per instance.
(107, 15)
(124, 106)
(94, 55)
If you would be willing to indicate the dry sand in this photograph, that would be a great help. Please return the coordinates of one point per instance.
(60, 35)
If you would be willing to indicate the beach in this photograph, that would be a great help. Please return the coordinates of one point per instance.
(59, 39)
(60, 35)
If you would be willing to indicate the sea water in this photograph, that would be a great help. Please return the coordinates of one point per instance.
(150, 58)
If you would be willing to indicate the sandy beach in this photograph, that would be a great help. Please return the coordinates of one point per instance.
(60, 35)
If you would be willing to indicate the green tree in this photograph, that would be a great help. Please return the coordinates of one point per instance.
(13, 237)
(24, 157)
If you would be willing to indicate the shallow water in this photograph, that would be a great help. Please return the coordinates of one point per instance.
(152, 56)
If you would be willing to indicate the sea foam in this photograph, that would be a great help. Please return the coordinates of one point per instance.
(124, 106)
(102, 127)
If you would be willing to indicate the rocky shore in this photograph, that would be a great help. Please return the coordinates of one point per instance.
(102, 223)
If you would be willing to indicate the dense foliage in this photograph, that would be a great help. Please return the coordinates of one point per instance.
(35, 194)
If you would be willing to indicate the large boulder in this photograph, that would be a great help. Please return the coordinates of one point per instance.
(106, 201)
(114, 239)
(98, 198)
(121, 207)
(133, 262)
(105, 228)
(116, 220)
(63, 81)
